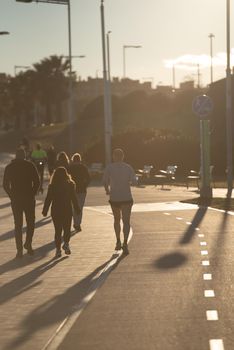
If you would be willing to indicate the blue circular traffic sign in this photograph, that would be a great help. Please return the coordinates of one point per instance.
(202, 106)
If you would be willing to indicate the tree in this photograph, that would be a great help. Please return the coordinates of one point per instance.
(52, 83)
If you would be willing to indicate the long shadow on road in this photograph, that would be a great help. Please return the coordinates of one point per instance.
(198, 217)
(20, 284)
(55, 310)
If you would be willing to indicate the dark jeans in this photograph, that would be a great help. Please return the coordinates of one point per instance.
(19, 207)
(62, 223)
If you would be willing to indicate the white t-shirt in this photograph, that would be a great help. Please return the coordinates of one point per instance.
(119, 176)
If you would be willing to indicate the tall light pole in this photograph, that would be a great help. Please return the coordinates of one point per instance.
(62, 2)
(20, 67)
(4, 32)
(108, 53)
(211, 36)
(229, 107)
(107, 117)
(124, 56)
(109, 82)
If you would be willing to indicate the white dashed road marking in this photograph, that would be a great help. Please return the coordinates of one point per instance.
(203, 243)
(207, 276)
(204, 252)
(209, 293)
(212, 315)
(216, 344)
(206, 263)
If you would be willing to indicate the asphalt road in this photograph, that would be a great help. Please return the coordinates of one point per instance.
(161, 296)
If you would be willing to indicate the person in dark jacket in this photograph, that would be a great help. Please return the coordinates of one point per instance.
(61, 193)
(21, 182)
(80, 175)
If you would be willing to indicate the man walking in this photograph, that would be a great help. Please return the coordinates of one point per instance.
(80, 175)
(117, 179)
(21, 182)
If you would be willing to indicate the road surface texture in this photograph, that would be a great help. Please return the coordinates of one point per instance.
(175, 289)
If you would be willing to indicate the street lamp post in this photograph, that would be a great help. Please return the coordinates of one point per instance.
(124, 56)
(229, 107)
(107, 116)
(109, 83)
(108, 53)
(211, 36)
(62, 2)
(4, 32)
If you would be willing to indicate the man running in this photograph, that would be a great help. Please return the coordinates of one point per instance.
(117, 179)
(21, 182)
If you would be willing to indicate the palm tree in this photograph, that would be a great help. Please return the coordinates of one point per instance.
(52, 83)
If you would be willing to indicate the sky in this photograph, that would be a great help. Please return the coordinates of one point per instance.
(169, 31)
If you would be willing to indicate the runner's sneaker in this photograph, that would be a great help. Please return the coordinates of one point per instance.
(118, 245)
(28, 247)
(19, 255)
(125, 248)
(66, 249)
(58, 253)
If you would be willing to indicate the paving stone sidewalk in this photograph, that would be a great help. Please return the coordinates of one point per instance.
(37, 293)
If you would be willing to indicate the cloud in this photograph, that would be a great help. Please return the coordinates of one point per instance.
(190, 62)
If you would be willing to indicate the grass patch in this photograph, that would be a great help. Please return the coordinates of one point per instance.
(218, 203)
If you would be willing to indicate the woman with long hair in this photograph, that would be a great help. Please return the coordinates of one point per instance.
(61, 194)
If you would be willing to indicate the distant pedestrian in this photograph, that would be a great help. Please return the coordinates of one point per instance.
(81, 177)
(39, 158)
(117, 179)
(51, 159)
(26, 146)
(61, 194)
(62, 160)
(21, 182)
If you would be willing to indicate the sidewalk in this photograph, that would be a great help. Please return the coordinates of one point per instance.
(37, 293)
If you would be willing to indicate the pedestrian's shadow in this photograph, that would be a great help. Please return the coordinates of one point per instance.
(55, 310)
(25, 282)
(39, 254)
(199, 216)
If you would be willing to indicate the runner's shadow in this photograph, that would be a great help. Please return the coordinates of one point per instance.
(199, 216)
(56, 309)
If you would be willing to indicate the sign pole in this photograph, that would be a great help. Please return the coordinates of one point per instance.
(202, 107)
(206, 190)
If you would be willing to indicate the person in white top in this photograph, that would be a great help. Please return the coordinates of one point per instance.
(117, 180)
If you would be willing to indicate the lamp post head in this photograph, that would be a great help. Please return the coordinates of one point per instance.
(4, 33)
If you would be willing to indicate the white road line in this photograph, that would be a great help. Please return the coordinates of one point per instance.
(204, 252)
(188, 223)
(209, 293)
(57, 338)
(167, 214)
(212, 315)
(207, 276)
(197, 229)
(203, 243)
(216, 344)
(206, 263)
(201, 235)
(178, 218)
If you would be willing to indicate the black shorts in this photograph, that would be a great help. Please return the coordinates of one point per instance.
(119, 204)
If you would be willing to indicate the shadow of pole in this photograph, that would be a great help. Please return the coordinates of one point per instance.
(199, 216)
